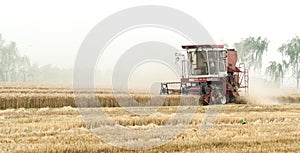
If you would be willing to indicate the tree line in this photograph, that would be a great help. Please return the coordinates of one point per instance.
(252, 49)
(18, 68)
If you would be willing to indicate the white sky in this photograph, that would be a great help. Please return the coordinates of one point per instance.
(50, 32)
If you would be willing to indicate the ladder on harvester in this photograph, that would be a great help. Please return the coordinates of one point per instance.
(244, 79)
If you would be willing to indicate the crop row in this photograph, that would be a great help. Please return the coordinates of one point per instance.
(86, 100)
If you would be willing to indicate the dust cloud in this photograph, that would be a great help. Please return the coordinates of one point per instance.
(263, 92)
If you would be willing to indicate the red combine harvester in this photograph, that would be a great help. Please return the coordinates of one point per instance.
(211, 72)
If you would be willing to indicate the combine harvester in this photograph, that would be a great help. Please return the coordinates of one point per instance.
(211, 72)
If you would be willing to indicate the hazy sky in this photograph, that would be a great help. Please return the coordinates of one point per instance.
(50, 32)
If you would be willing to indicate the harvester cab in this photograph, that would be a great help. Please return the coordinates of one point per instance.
(211, 72)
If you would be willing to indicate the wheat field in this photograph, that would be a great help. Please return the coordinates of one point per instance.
(46, 125)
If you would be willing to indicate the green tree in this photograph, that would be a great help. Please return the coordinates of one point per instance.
(277, 70)
(13, 66)
(33, 73)
(24, 66)
(8, 61)
(251, 50)
(291, 50)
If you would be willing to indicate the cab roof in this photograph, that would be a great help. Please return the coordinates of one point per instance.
(201, 46)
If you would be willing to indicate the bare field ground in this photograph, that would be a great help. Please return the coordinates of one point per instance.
(268, 128)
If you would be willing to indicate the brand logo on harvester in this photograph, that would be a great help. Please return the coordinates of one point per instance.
(94, 46)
